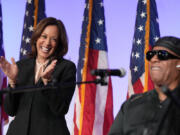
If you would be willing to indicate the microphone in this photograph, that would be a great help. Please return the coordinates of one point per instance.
(109, 72)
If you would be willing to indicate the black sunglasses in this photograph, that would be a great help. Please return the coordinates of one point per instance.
(161, 54)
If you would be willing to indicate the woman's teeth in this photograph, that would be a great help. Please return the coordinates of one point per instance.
(44, 49)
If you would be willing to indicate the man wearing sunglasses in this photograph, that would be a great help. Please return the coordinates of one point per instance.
(155, 112)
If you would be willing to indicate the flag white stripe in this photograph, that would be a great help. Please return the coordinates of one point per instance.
(101, 96)
(77, 109)
(142, 78)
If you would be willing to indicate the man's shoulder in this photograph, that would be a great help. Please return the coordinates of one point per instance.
(141, 96)
(138, 99)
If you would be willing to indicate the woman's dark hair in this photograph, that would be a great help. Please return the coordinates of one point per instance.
(62, 41)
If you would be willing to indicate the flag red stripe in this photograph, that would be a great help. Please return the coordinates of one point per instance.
(150, 83)
(75, 125)
(90, 95)
(138, 87)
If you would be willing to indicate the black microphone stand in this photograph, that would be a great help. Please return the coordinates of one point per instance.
(96, 81)
(26, 89)
(54, 85)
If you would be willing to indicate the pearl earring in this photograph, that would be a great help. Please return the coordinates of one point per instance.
(178, 66)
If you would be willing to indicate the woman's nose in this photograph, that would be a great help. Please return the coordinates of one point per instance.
(48, 41)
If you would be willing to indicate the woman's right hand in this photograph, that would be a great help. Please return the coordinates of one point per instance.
(10, 70)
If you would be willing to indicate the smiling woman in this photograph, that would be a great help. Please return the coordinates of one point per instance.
(41, 112)
(47, 43)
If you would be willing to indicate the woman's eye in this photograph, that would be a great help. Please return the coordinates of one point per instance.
(43, 36)
(54, 39)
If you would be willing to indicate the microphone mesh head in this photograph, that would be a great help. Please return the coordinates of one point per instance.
(123, 72)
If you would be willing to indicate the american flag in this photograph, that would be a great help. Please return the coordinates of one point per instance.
(93, 113)
(145, 35)
(35, 11)
(3, 80)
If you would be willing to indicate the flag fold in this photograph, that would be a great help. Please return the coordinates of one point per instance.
(93, 112)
